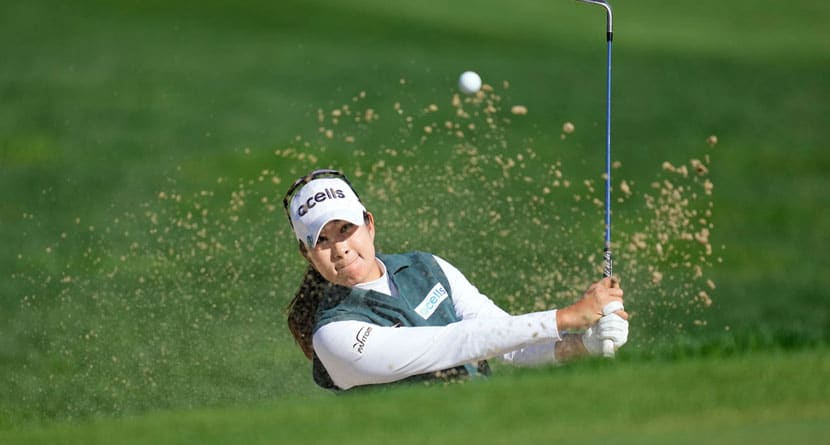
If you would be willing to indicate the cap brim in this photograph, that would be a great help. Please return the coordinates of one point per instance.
(353, 215)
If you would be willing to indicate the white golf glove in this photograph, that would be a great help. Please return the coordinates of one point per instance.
(611, 326)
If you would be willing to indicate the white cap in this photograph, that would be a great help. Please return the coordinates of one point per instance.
(320, 201)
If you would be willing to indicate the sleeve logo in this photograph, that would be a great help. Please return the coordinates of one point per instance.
(360, 339)
(431, 301)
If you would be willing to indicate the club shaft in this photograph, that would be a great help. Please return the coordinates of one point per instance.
(608, 345)
(608, 269)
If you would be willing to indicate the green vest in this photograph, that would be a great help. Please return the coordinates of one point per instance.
(424, 299)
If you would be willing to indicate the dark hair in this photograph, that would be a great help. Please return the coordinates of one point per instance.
(303, 309)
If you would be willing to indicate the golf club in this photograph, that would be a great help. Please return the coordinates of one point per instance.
(607, 271)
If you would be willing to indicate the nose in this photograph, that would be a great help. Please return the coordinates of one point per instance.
(340, 248)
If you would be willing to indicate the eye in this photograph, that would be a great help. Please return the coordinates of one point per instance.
(345, 228)
(321, 240)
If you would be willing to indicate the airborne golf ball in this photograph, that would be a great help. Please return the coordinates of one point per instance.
(469, 82)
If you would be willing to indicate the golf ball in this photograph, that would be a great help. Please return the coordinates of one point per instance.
(469, 82)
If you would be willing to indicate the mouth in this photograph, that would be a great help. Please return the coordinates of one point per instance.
(341, 267)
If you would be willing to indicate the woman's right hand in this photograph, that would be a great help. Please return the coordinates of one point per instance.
(588, 310)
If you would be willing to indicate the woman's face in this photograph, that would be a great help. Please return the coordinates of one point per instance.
(345, 253)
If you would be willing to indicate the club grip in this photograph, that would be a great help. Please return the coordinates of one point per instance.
(608, 348)
(608, 266)
(607, 271)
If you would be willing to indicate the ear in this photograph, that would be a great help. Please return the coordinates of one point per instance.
(370, 224)
(303, 251)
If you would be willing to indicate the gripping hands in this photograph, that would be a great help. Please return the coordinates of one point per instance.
(610, 327)
(600, 311)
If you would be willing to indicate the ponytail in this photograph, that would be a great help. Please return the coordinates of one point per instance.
(303, 309)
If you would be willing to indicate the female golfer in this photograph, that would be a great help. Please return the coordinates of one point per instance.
(365, 318)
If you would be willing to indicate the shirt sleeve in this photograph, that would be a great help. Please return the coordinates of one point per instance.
(359, 353)
(470, 303)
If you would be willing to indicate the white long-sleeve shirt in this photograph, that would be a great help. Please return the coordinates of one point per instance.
(360, 353)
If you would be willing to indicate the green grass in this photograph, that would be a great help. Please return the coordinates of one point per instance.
(118, 300)
(716, 400)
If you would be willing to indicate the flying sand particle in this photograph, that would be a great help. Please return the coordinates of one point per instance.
(656, 277)
(699, 167)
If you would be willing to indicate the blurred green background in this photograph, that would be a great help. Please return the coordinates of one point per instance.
(144, 148)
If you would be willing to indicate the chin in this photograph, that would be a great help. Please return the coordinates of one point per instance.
(344, 281)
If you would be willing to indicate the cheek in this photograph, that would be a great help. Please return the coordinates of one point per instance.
(318, 259)
(326, 268)
(367, 244)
